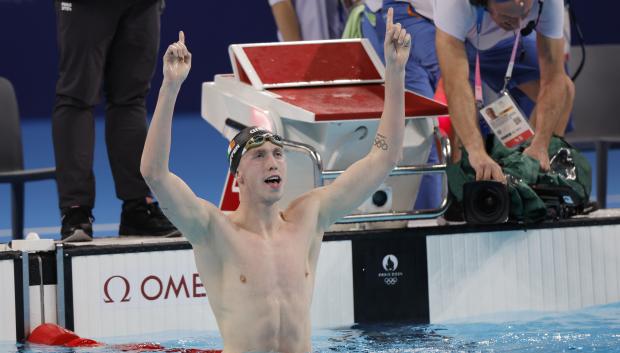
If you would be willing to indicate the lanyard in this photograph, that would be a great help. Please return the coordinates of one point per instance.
(477, 75)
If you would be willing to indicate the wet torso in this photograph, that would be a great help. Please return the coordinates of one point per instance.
(260, 288)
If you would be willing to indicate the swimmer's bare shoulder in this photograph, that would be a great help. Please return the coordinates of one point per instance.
(196, 218)
(304, 210)
(310, 209)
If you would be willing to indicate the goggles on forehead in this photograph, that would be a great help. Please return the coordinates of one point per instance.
(259, 140)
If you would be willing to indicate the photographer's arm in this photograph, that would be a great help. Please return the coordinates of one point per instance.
(461, 104)
(555, 98)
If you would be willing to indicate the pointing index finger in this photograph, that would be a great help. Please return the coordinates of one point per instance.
(181, 37)
(390, 18)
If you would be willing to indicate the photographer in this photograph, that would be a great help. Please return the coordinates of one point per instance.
(492, 32)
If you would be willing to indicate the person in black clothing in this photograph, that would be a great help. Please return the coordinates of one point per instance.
(109, 44)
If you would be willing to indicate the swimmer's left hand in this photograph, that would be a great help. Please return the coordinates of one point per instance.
(177, 61)
(397, 44)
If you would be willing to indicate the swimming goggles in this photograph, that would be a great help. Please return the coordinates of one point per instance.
(259, 140)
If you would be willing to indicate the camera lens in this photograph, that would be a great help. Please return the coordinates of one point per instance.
(485, 202)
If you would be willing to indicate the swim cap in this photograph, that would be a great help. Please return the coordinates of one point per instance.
(237, 146)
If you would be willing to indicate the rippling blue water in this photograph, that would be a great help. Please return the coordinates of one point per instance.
(594, 329)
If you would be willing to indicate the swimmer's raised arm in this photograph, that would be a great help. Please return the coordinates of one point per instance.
(362, 178)
(189, 213)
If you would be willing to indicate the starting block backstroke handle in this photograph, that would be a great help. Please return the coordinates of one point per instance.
(320, 176)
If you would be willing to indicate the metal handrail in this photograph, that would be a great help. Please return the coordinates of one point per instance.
(314, 155)
(398, 216)
(41, 289)
(320, 176)
(397, 171)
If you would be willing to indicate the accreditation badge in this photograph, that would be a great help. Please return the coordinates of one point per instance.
(507, 121)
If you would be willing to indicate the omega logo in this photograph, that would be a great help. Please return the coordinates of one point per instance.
(152, 288)
(106, 292)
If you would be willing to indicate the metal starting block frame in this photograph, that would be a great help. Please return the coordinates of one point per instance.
(313, 94)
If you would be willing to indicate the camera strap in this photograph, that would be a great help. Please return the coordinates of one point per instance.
(503, 115)
(477, 74)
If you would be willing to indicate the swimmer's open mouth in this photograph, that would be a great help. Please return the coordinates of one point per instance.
(274, 179)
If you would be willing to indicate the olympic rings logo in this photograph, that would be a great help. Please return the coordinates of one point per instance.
(380, 143)
(390, 281)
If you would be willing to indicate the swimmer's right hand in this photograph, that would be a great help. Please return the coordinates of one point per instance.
(396, 45)
(177, 61)
(486, 168)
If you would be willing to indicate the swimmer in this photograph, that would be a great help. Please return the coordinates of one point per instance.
(258, 263)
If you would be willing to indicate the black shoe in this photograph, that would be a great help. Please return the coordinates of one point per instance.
(77, 224)
(142, 218)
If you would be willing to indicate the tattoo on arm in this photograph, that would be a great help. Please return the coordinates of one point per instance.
(381, 142)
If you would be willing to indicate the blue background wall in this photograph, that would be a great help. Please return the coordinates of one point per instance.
(29, 57)
(28, 41)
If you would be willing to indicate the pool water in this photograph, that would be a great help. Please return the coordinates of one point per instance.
(593, 329)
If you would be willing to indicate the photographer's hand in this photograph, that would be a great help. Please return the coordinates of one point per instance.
(486, 168)
(540, 154)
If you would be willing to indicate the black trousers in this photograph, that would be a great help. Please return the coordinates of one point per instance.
(110, 45)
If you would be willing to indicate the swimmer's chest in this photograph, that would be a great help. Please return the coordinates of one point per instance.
(280, 261)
